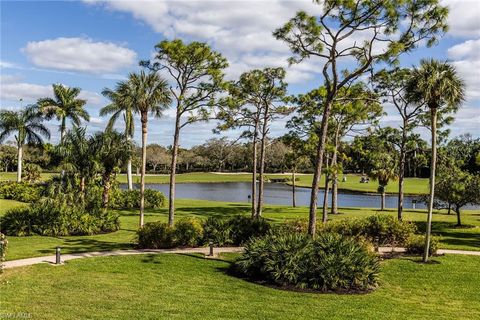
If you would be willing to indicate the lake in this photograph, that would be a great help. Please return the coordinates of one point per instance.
(275, 193)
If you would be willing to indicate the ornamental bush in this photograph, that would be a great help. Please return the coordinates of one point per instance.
(330, 262)
(235, 230)
(51, 217)
(415, 244)
(21, 191)
(187, 232)
(379, 229)
(130, 199)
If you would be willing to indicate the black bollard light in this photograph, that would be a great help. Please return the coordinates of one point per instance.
(57, 256)
(211, 248)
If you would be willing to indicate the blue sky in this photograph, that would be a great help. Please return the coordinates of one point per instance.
(93, 44)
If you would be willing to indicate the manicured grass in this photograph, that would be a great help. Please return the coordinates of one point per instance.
(412, 185)
(12, 176)
(443, 225)
(191, 287)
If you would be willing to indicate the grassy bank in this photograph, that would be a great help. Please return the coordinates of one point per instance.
(191, 287)
(22, 247)
(412, 185)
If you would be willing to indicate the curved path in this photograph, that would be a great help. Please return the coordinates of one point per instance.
(203, 250)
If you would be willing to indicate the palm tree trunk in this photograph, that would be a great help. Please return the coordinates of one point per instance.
(106, 190)
(401, 173)
(318, 169)
(433, 163)
(63, 129)
(293, 187)
(19, 162)
(173, 168)
(144, 164)
(129, 168)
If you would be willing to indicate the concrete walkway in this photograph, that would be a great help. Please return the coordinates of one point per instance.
(71, 256)
(203, 250)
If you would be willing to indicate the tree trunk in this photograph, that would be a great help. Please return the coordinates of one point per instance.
(254, 172)
(144, 120)
(401, 173)
(433, 163)
(82, 186)
(318, 170)
(19, 162)
(334, 209)
(459, 221)
(325, 200)
(262, 166)
(129, 174)
(173, 168)
(382, 205)
(293, 187)
(449, 208)
(106, 190)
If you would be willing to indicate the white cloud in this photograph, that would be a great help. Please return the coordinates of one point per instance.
(463, 18)
(79, 54)
(466, 57)
(13, 89)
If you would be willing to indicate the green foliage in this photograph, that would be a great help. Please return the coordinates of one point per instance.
(156, 235)
(53, 217)
(331, 262)
(130, 199)
(32, 172)
(3, 249)
(415, 244)
(235, 230)
(22, 191)
(379, 229)
(187, 232)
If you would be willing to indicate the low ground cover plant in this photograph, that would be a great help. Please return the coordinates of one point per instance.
(330, 262)
(415, 244)
(24, 192)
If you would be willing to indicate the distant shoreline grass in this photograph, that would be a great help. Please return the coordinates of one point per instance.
(413, 186)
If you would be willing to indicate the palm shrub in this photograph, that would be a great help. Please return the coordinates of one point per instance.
(330, 262)
(130, 199)
(217, 231)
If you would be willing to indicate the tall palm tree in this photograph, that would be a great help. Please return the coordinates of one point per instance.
(65, 105)
(27, 124)
(121, 103)
(437, 84)
(150, 95)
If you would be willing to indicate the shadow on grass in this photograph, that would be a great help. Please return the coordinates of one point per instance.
(451, 234)
(85, 245)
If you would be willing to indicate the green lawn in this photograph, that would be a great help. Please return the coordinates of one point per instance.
(22, 247)
(412, 185)
(191, 287)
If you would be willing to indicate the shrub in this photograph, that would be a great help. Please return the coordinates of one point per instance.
(188, 232)
(235, 230)
(415, 244)
(22, 191)
(242, 228)
(3, 250)
(217, 231)
(331, 262)
(130, 199)
(50, 217)
(32, 172)
(156, 235)
(380, 229)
